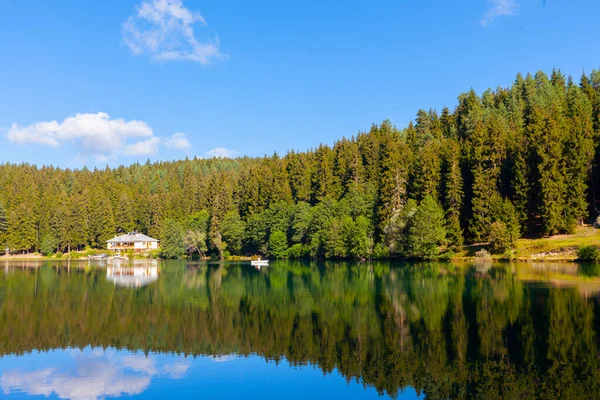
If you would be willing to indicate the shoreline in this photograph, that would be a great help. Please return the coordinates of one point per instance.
(34, 257)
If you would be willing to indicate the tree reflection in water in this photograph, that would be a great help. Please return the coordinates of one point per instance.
(448, 331)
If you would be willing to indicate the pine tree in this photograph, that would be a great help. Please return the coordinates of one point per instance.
(124, 214)
(233, 229)
(172, 243)
(453, 192)
(3, 220)
(426, 230)
(278, 244)
(579, 153)
(101, 219)
(396, 158)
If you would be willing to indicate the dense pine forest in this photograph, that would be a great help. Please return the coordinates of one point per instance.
(517, 161)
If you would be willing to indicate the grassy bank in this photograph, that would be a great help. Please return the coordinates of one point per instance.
(553, 248)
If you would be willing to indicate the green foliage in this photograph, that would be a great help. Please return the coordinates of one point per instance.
(199, 221)
(446, 256)
(360, 243)
(426, 230)
(154, 254)
(381, 252)
(278, 244)
(588, 253)
(172, 242)
(503, 233)
(499, 238)
(233, 229)
(49, 244)
(297, 251)
(195, 242)
(3, 220)
(396, 228)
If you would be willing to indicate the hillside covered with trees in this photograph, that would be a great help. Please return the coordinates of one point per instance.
(514, 161)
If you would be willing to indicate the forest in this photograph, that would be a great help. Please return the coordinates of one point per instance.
(511, 162)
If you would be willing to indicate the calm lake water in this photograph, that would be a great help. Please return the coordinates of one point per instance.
(299, 330)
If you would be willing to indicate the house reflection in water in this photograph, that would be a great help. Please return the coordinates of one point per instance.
(132, 276)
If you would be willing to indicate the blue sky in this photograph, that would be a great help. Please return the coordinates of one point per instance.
(111, 82)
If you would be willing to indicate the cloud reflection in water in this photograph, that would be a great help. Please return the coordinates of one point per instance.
(92, 374)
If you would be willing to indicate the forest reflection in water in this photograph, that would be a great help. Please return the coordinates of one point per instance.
(448, 331)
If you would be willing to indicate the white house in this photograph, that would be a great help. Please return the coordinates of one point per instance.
(132, 241)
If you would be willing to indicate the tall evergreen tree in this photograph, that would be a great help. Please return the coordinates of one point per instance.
(3, 220)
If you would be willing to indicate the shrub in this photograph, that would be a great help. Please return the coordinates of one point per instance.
(381, 251)
(172, 244)
(499, 238)
(278, 244)
(296, 251)
(510, 255)
(446, 256)
(588, 253)
(154, 253)
(483, 254)
(426, 230)
(48, 245)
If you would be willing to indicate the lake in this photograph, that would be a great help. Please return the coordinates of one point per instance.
(87, 330)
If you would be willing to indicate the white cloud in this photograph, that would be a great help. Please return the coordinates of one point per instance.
(96, 135)
(178, 141)
(142, 148)
(221, 152)
(164, 29)
(499, 8)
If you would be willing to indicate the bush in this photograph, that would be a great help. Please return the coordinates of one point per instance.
(172, 244)
(154, 253)
(48, 245)
(380, 251)
(510, 255)
(447, 256)
(588, 253)
(483, 254)
(499, 238)
(297, 251)
(426, 231)
(278, 244)
(92, 252)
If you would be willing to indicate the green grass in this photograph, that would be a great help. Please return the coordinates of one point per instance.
(554, 248)
(559, 247)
